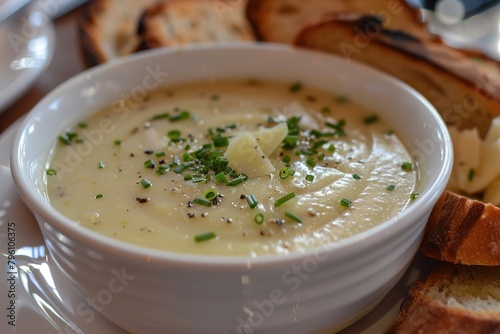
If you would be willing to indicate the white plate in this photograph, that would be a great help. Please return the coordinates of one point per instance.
(46, 303)
(27, 42)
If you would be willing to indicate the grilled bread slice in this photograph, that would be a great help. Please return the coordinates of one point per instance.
(453, 299)
(280, 20)
(463, 230)
(179, 22)
(464, 96)
(108, 28)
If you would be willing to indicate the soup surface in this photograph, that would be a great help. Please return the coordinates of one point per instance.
(231, 168)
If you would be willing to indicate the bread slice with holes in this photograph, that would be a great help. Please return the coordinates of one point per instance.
(463, 230)
(179, 22)
(458, 89)
(453, 299)
(108, 29)
(280, 20)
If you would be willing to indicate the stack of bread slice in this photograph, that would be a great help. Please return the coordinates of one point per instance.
(462, 296)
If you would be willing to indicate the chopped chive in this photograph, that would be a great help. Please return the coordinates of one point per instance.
(291, 172)
(321, 157)
(414, 196)
(295, 87)
(284, 173)
(391, 187)
(407, 166)
(181, 116)
(284, 199)
(356, 176)
(160, 171)
(286, 159)
(64, 139)
(159, 154)
(146, 183)
(310, 162)
(259, 218)
(221, 141)
(161, 116)
(210, 194)
(180, 168)
(149, 163)
(101, 165)
(174, 135)
(293, 217)
(236, 181)
(470, 174)
(345, 202)
(319, 143)
(82, 125)
(51, 172)
(309, 177)
(204, 236)
(202, 201)
(252, 201)
(290, 141)
(188, 177)
(99, 196)
(370, 119)
(118, 142)
(221, 177)
(331, 148)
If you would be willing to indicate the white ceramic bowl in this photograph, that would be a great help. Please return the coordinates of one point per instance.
(148, 291)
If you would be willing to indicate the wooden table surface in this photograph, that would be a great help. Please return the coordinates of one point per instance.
(66, 62)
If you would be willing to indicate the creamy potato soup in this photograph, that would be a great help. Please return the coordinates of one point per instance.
(231, 168)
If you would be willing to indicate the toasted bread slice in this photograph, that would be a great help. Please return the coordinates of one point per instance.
(463, 230)
(108, 28)
(280, 20)
(179, 22)
(463, 95)
(453, 299)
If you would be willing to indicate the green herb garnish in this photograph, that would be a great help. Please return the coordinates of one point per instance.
(146, 183)
(309, 177)
(210, 194)
(204, 236)
(407, 166)
(252, 201)
(99, 196)
(284, 199)
(51, 172)
(259, 219)
(202, 201)
(284, 173)
(293, 217)
(345, 202)
(391, 187)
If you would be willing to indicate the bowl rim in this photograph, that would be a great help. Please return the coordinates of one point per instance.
(85, 236)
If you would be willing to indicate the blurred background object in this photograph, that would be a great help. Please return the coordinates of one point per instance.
(469, 24)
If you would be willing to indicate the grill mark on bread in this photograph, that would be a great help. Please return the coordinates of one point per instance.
(463, 230)
(473, 211)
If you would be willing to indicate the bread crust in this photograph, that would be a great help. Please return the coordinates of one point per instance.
(281, 20)
(179, 22)
(108, 29)
(463, 230)
(462, 94)
(423, 312)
